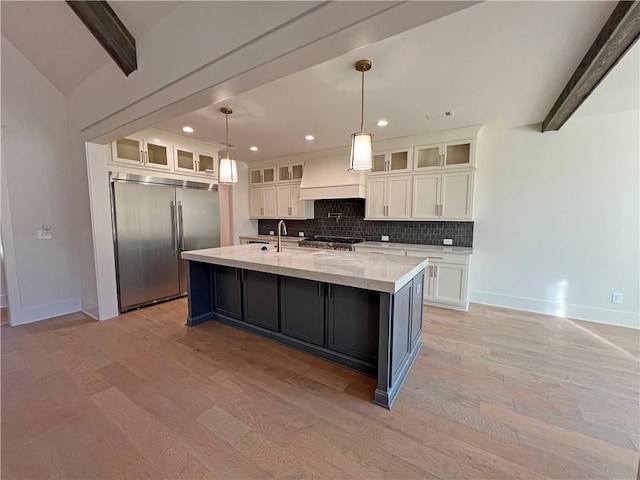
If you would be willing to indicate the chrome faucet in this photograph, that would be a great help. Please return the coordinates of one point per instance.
(284, 227)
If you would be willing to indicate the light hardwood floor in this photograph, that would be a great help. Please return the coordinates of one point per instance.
(494, 393)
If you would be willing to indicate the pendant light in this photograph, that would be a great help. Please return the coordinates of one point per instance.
(228, 172)
(361, 154)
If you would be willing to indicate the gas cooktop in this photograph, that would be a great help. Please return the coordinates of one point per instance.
(330, 242)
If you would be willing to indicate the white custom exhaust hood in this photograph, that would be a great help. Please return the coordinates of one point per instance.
(329, 178)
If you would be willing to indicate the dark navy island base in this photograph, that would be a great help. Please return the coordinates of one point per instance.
(376, 333)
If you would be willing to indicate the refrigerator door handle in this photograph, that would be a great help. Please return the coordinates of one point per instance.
(180, 226)
(174, 233)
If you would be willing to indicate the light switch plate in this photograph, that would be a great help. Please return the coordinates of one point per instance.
(301, 234)
(384, 238)
(44, 234)
(447, 241)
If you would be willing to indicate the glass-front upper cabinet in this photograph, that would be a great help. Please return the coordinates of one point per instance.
(443, 155)
(262, 176)
(157, 153)
(128, 150)
(392, 161)
(457, 154)
(290, 173)
(185, 159)
(207, 162)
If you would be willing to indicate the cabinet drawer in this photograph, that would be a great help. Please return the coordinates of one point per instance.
(437, 257)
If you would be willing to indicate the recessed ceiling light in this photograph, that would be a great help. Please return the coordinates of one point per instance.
(253, 149)
(382, 123)
(187, 129)
(309, 137)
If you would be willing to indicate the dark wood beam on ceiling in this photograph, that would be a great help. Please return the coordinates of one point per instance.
(619, 33)
(105, 25)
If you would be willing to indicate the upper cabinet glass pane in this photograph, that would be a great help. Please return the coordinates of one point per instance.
(256, 176)
(185, 159)
(206, 163)
(458, 154)
(269, 175)
(296, 172)
(400, 161)
(283, 173)
(157, 154)
(128, 149)
(428, 157)
(378, 162)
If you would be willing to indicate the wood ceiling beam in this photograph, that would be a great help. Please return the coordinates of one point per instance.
(105, 25)
(619, 33)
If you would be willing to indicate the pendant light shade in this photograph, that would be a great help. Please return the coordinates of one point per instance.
(228, 170)
(361, 149)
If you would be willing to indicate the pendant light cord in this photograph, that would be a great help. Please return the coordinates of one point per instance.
(362, 106)
(226, 119)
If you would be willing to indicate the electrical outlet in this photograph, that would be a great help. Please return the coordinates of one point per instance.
(384, 238)
(301, 234)
(447, 241)
(616, 297)
(271, 232)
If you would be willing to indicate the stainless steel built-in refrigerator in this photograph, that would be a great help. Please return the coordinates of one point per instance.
(155, 220)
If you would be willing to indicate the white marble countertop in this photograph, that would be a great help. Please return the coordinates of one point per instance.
(352, 269)
(271, 238)
(413, 246)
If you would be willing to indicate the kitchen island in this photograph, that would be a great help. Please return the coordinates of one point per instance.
(363, 311)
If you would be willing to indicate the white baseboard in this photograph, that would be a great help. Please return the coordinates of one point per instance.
(3, 301)
(41, 312)
(89, 314)
(577, 312)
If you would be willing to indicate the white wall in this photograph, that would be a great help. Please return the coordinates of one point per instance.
(43, 275)
(557, 219)
(3, 285)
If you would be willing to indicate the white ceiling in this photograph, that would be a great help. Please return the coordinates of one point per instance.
(58, 44)
(498, 63)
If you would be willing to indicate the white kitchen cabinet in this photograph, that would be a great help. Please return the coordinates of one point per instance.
(262, 176)
(389, 198)
(290, 205)
(199, 161)
(262, 202)
(449, 283)
(290, 173)
(456, 197)
(144, 152)
(128, 150)
(207, 162)
(391, 161)
(158, 154)
(443, 196)
(446, 277)
(185, 159)
(446, 155)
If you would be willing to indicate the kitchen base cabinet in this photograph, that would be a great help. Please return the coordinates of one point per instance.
(228, 291)
(447, 275)
(450, 283)
(352, 322)
(374, 332)
(302, 309)
(260, 299)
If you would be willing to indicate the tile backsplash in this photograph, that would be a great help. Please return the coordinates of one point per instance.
(352, 224)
